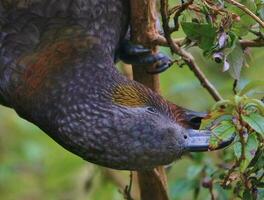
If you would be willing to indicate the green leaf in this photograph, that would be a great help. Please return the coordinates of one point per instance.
(204, 34)
(221, 111)
(222, 193)
(250, 151)
(181, 187)
(260, 194)
(213, 118)
(224, 105)
(255, 103)
(247, 195)
(232, 41)
(239, 99)
(237, 150)
(258, 161)
(223, 131)
(255, 121)
(241, 28)
(261, 13)
(251, 86)
(193, 171)
(250, 4)
(236, 61)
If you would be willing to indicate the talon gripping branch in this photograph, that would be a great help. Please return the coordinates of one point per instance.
(57, 71)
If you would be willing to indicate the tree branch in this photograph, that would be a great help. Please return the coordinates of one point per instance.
(189, 60)
(251, 43)
(161, 41)
(247, 11)
(152, 183)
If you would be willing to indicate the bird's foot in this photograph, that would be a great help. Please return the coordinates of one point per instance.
(138, 55)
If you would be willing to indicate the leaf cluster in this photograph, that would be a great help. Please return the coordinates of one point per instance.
(217, 27)
(241, 117)
(223, 31)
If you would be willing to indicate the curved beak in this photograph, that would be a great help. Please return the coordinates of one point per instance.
(199, 140)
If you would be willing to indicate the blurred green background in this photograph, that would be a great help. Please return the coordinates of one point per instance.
(34, 167)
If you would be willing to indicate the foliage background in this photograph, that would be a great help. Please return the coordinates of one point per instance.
(34, 167)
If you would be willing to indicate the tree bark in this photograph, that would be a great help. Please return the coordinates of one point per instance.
(152, 183)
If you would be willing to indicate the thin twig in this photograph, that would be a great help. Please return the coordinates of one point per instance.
(127, 190)
(247, 11)
(212, 192)
(230, 171)
(257, 33)
(242, 156)
(252, 43)
(215, 8)
(235, 86)
(178, 13)
(161, 41)
(189, 60)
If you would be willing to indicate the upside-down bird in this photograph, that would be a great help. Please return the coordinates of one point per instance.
(57, 71)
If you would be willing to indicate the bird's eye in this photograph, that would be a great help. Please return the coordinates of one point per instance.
(151, 109)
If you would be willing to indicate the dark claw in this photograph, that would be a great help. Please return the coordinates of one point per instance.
(160, 68)
(130, 49)
(158, 59)
(138, 55)
(162, 63)
(199, 141)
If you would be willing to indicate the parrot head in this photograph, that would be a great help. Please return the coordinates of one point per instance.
(155, 131)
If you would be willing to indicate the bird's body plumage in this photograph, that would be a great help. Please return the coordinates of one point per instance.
(57, 71)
